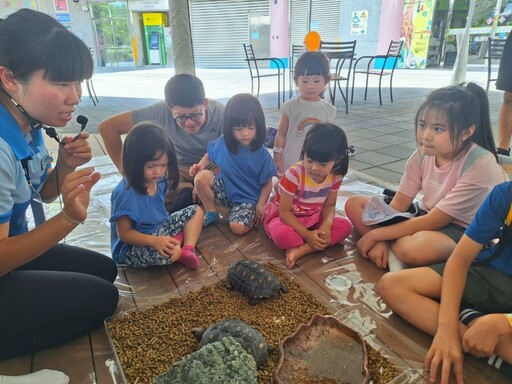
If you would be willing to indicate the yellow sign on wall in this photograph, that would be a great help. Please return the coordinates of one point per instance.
(154, 18)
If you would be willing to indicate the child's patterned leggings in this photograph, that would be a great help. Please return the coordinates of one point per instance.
(145, 256)
(285, 237)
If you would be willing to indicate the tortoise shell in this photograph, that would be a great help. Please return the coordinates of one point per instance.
(253, 280)
(249, 338)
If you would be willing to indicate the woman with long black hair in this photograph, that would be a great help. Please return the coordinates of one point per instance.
(49, 292)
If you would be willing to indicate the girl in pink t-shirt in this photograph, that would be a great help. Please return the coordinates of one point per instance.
(455, 167)
(301, 219)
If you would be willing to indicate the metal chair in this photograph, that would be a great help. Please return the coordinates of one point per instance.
(91, 91)
(388, 62)
(340, 52)
(252, 62)
(494, 52)
(90, 86)
(296, 51)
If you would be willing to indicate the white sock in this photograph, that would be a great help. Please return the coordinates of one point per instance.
(394, 263)
(44, 376)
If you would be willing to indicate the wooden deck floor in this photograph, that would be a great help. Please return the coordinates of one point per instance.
(87, 359)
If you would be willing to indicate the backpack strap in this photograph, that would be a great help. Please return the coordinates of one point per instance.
(473, 155)
(505, 240)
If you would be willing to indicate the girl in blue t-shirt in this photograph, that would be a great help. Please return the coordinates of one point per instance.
(246, 167)
(143, 234)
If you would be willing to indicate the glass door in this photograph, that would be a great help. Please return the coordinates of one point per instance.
(112, 29)
(259, 26)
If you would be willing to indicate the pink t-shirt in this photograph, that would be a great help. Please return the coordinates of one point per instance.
(457, 188)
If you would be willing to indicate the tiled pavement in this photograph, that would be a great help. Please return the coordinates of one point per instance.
(383, 136)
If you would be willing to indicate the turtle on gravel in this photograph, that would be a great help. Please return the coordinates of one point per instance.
(249, 338)
(253, 280)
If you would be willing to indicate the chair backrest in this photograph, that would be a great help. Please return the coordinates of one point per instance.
(338, 49)
(394, 48)
(296, 51)
(495, 48)
(251, 58)
(392, 55)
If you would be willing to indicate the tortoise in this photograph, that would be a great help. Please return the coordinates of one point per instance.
(224, 361)
(248, 337)
(253, 280)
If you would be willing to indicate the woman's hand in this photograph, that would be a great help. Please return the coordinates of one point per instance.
(166, 246)
(195, 168)
(445, 353)
(76, 190)
(316, 239)
(75, 153)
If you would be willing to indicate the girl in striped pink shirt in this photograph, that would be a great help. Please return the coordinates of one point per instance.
(301, 218)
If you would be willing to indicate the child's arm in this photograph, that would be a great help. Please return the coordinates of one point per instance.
(446, 349)
(313, 238)
(401, 202)
(203, 163)
(264, 195)
(328, 213)
(431, 221)
(279, 143)
(165, 245)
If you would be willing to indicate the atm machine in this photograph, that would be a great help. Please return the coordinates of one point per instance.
(154, 24)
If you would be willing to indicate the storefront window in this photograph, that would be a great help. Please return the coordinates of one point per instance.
(505, 17)
(112, 33)
(484, 13)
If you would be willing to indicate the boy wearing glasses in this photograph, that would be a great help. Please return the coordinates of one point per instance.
(189, 118)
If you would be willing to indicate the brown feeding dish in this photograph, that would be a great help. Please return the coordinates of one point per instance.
(322, 351)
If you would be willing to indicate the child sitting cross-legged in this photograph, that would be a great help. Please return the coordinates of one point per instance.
(246, 167)
(301, 219)
(143, 233)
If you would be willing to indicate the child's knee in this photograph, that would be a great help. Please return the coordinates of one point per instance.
(239, 228)
(203, 178)
(387, 286)
(354, 207)
(286, 238)
(416, 253)
(344, 226)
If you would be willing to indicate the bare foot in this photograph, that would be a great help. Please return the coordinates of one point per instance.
(291, 258)
(294, 254)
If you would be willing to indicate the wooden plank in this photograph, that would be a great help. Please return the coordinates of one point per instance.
(216, 249)
(103, 356)
(150, 286)
(73, 358)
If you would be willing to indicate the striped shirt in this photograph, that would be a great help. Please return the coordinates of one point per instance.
(308, 196)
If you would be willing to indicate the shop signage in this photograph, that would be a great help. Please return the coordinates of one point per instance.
(149, 5)
(359, 23)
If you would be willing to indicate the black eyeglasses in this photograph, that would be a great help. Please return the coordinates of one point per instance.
(193, 116)
(50, 131)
